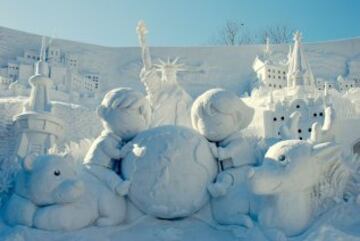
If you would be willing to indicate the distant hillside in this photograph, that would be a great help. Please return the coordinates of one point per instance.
(228, 67)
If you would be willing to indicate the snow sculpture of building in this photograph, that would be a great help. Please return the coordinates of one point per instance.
(277, 74)
(64, 70)
(299, 71)
(347, 83)
(36, 127)
(299, 94)
(270, 72)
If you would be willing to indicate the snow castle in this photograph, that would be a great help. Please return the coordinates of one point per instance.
(295, 90)
(37, 129)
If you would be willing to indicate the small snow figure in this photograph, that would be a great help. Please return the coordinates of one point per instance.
(219, 115)
(124, 113)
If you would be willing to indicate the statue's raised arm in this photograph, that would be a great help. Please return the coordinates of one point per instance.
(148, 74)
(142, 31)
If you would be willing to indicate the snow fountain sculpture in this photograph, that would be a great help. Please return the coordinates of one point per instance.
(124, 113)
(51, 194)
(169, 169)
(220, 115)
(170, 103)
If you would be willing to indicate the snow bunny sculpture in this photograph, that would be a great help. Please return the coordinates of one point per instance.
(295, 177)
(169, 168)
(51, 194)
(124, 113)
(219, 115)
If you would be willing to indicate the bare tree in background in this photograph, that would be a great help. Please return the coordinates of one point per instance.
(232, 33)
(277, 34)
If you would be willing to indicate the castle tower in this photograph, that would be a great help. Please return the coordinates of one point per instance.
(299, 71)
(36, 127)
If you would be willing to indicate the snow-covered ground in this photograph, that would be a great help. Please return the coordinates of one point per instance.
(340, 224)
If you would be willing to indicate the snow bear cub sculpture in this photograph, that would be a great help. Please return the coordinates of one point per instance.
(51, 194)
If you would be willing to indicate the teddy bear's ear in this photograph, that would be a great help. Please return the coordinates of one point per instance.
(100, 111)
(28, 161)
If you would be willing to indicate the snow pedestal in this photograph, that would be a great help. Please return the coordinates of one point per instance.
(170, 168)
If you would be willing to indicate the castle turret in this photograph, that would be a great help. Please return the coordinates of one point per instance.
(37, 128)
(299, 71)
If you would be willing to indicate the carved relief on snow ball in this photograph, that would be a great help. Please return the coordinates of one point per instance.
(170, 168)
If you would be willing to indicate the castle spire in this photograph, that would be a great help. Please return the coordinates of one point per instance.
(267, 46)
(299, 73)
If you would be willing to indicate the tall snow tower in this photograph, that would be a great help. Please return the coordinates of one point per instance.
(299, 72)
(36, 127)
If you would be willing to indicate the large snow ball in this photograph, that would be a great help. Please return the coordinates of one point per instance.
(169, 168)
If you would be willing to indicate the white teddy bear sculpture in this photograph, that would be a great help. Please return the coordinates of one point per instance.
(51, 194)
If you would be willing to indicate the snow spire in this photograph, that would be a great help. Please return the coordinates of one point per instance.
(40, 82)
(142, 31)
(289, 53)
(42, 67)
(299, 73)
(43, 49)
(267, 46)
(326, 94)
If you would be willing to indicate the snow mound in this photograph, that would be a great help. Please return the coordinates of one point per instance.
(170, 174)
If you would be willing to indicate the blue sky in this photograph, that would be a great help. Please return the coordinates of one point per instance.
(180, 22)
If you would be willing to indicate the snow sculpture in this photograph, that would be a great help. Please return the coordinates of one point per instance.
(51, 194)
(219, 115)
(38, 129)
(170, 103)
(124, 113)
(232, 200)
(299, 73)
(296, 173)
(169, 169)
(319, 134)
